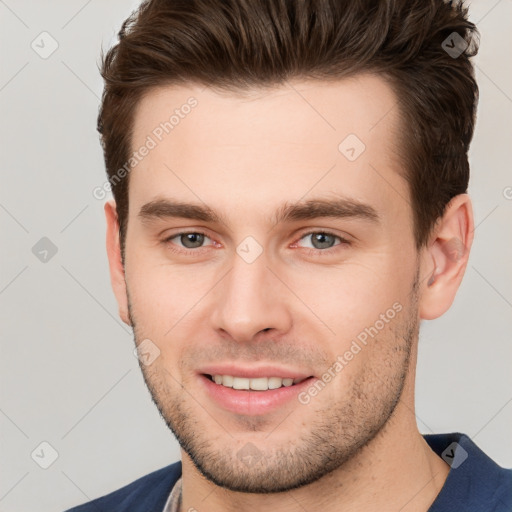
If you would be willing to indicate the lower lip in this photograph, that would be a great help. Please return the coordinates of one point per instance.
(253, 403)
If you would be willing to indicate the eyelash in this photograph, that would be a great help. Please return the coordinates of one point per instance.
(309, 251)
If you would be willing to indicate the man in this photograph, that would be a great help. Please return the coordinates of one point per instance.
(290, 185)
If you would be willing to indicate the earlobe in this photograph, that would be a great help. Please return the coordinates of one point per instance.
(117, 274)
(446, 258)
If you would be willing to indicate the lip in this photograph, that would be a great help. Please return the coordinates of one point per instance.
(254, 372)
(249, 402)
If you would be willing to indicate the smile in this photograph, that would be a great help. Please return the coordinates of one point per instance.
(255, 384)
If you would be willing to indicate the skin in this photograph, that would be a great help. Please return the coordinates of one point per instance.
(355, 445)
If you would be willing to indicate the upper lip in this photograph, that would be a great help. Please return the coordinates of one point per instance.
(254, 372)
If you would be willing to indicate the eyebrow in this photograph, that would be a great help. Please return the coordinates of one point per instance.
(307, 210)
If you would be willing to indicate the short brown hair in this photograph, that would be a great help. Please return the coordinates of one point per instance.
(236, 45)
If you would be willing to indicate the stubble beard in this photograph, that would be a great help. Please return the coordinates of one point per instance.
(334, 435)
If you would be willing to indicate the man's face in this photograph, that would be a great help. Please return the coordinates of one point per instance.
(260, 294)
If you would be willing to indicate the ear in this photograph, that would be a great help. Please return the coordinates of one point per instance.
(444, 260)
(117, 278)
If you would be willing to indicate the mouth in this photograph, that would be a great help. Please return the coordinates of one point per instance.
(254, 384)
(253, 395)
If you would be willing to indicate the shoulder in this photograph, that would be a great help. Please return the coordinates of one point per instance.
(149, 492)
(475, 481)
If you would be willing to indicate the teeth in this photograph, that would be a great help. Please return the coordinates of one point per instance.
(240, 383)
(274, 382)
(259, 384)
(256, 384)
(227, 380)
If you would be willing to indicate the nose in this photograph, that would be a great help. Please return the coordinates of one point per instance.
(249, 300)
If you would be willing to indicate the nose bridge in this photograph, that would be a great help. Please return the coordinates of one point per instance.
(249, 299)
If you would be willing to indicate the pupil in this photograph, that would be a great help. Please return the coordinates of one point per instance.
(319, 240)
(191, 240)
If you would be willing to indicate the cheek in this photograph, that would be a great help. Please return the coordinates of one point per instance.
(160, 289)
(351, 296)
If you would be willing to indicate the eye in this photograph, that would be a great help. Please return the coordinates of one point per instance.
(192, 241)
(188, 240)
(322, 240)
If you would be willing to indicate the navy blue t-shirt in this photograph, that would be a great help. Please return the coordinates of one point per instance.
(475, 483)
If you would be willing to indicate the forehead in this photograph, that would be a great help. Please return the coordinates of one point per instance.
(256, 150)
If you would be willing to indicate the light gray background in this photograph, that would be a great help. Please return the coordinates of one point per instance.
(68, 373)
